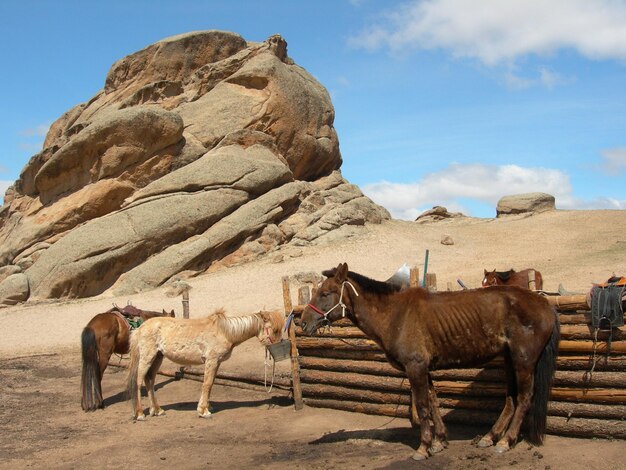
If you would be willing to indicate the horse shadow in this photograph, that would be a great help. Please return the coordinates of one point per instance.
(123, 395)
(219, 406)
(405, 435)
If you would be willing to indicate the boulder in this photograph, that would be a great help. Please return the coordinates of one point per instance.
(14, 289)
(202, 150)
(436, 214)
(527, 203)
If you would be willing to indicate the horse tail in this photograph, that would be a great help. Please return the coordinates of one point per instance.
(90, 379)
(133, 369)
(544, 374)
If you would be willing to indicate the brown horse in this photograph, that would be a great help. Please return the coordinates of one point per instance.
(513, 278)
(208, 341)
(421, 331)
(105, 334)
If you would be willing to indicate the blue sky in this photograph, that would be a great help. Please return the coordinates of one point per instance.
(440, 102)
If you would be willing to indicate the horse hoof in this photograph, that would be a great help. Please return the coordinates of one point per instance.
(437, 447)
(419, 456)
(484, 442)
(501, 448)
(140, 418)
(159, 412)
(205, 415)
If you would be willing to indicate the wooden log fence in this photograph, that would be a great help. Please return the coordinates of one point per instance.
(341, 368)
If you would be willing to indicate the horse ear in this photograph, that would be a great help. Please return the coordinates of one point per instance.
(342, 272)
(485, 271)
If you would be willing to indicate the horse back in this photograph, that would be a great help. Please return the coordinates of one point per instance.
(111, 332)
(470, 327)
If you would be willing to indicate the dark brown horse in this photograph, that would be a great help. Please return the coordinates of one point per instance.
(513, 278)
(421, 331)
(105, 334)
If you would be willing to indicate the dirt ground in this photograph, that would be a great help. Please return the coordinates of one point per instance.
(44, 427)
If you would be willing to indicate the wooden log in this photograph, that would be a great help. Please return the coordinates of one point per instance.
(601, 347)
(335, 343)
(363, 383)
(341, 354)
(569, 302)
(579, 427)
(295, 368)
(582, 379)
(568, 332)
(586, 332)
(565, 346)
(414, 277)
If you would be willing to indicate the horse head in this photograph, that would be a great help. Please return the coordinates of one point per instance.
(330, 301)
(490, 278)
(272, 329)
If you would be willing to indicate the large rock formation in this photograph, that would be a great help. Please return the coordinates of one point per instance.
(201, 149)
(527, 203)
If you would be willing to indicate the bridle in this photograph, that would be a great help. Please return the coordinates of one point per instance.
(338, 304)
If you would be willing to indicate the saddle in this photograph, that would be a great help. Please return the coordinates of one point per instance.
(132, 315)
(607, 310)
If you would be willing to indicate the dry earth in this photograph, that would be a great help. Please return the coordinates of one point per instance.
(44, 427)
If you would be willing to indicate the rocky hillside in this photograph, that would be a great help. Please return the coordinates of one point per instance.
(201, 148)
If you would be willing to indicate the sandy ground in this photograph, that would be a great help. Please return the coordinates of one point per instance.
(43, 425)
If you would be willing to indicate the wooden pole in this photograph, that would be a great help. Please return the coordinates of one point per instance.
(414, 279)
(185, 304)
(531, 280)
(295, 368)
(431, 282)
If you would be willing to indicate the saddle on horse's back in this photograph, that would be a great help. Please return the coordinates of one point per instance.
(607, 310)
(132, 315)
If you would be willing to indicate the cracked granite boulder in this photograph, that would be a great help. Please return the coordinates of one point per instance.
(203, 150)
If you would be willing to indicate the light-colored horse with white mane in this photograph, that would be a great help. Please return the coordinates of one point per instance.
(207, 340)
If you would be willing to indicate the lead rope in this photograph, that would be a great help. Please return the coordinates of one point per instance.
(267, 355)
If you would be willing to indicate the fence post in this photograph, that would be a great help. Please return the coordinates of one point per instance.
(295, 367)
(431, 282)
(414, 279)
(531, 280)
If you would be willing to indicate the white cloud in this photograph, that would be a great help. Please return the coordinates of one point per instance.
(483, 183)
(4, 184)
(497, 32)
(38, 131)
(614, 160)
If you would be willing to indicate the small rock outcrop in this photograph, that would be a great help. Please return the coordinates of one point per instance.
(436, 214)
(527, 203)
(202, 150)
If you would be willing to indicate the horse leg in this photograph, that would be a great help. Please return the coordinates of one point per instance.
(441, 433)
(155, 409)
(525, 381)
(145, 362)
(502, 423)
(418, 377)
(104, 354)
(210, 370)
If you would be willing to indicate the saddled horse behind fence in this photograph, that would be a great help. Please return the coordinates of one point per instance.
(513, 278)
(421, 331)
(105, 334)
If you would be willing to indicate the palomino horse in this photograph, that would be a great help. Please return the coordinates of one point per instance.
(512, 278)
(421, 331)
(192, 341)
(105, 334)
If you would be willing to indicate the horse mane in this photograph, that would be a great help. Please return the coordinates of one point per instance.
(237, 328)
(374, 286)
